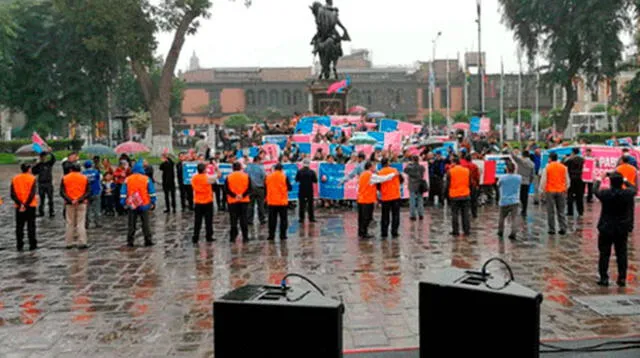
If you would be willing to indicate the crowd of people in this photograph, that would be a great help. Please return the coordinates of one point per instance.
(129, 189)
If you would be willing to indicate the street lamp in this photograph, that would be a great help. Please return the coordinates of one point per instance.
(432, 80)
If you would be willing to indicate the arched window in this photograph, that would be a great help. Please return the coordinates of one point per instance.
(262, 98)
(354, 97)
(286, 98)
(273, 98)
(251, 98)
(297, 98)
(367, 97)
(400, 96)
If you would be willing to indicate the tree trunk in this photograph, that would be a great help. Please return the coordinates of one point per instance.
(563, 121)
(160, 127)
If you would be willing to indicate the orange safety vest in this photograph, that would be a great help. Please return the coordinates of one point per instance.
(75, 185)
(277, 193)
(389, 190)
(139, 183)
(556, 178)
(238, 183)
(366, 192)
(459, 177)
(22, 186)
(202, 190)
(629, 172)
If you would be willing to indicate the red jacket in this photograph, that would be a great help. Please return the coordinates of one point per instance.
(474, 172)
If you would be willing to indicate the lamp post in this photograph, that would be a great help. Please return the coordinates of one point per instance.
(432, 80)
(480, 64)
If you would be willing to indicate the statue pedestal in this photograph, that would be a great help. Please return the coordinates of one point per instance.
(327, 104)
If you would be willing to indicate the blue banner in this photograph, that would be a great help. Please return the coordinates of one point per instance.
(475, 125)
(251, 152)
(189, 169)
(501, 163)
(304, 128)
(322, 120)
(330, 175)
(446, 148)
(347, 150)
(388, 125)
(337, 131)
(304, 148)
(378, 136)
(561, 151)
(290, 170)
(280, 140)
(225, 169)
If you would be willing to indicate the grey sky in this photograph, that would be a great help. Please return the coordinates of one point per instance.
(398, 32)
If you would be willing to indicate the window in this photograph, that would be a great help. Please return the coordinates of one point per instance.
(354, 97)
(391, 97)
(273, 98)
(425, 97)
(297, 98)
(286, 98)
(262, 98)
(367, 97)
(399, 96)
(443, 97)
(594, 94)
(251, 98)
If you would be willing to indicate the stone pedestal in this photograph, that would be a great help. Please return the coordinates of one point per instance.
(327, 104)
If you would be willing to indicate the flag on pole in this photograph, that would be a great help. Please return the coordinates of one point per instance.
(339, 86)
(39, 145)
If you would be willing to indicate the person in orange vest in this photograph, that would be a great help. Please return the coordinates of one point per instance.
(23, 194)
(630, 174)
(458, 189)
(202, 184)
(238, 189)
(277, 187)
(75, 190)
(554, 183)
(390, 198)
(367, 197)
(138, 194)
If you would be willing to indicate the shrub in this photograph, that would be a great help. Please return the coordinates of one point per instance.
(10, 146)
(601, 138)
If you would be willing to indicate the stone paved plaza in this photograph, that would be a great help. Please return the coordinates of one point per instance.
(113, 301)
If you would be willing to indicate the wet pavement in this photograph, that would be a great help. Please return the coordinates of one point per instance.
(142, 302)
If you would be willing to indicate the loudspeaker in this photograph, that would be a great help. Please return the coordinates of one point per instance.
(461, 316)
(268, 321)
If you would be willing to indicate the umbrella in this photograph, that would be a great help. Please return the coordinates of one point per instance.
(357, 110)
(26, 151)
(98, 149)
(376, 115)
(362, 138)
(462, 126)
(131, 148)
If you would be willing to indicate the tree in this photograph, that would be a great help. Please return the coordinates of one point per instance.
(237, 121)
(461, 117)
(8, 35)
(631, 104)
(525, 115)
(128, 28)
(575, 37)
(273, 114)
(438, 119)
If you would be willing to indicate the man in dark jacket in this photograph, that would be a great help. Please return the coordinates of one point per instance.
(43, 169)
(436, 178)
(614, 225)
(415, 172)
(168, 183)
(70, 163)
(186, 191)
(306, 177)
(575, 164)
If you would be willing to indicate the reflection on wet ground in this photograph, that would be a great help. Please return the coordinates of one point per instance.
(115, 301)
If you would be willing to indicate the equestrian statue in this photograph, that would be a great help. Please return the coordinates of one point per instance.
(327, 42)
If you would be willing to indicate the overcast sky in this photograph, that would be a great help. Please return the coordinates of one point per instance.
(398, 32)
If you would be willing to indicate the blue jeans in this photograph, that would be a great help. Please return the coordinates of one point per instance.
(416, 205)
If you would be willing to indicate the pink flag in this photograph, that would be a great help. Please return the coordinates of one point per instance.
(272, 151)
(35, 138)
(337, 86)
(316, 146)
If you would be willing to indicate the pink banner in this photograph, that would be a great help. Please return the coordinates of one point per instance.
(370, 125)
(301, 138)
(393, 141)
(606, 161)
(485, 125)
(316, 146)
(407, 128)
(587, 170)
(346, 131)
(367, 149)
(351, 186)
(272, 151)
(317, 128)
(339, 120)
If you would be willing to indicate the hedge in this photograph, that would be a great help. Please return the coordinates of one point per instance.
(601, 138)
(10, 146)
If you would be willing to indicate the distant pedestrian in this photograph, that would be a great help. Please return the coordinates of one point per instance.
(186, 191)
(614, 225)
(23, 194)
(390, 198)
(458, 189)
(417, 187)
(109, 194)
(436, 178)
(257, 175)
(44, 170)
(589, 155)
(167, 168)
(575, 165)
(69, 162)
(510, 189)
(238, 189)
(474, 173)
(554, 183)
(75, 191)
(526, 170)
(306, 178)
(120, 175)
(93, 208)
(278, 187)
(138, 195)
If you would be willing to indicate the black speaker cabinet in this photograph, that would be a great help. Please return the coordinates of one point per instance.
(265, 321)
(461, 317)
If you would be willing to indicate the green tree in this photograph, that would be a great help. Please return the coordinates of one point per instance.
(575, 37)
(461, 117)
(525, 115)
(237, 121)
(438, 119)
(630, 104)
(129, 28)
(273, 114)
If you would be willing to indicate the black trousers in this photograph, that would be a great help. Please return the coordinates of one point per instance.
(27, 217)
(257, 199)
(169, 198)
(133, 219)
(576, 195)
(203, 212)
(119, 208)
(435, 189)
(365, 214)
(524, 199)
(238, 215)
(220, 197)
(186, 197)
(274, 213)
(305, 204)
(475, 193)
(45, 190)
(589, 192)
(619, 242)
(460, 208)
(390, 209)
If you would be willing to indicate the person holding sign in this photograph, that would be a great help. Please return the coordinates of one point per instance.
(458, 187)
(390, 197)
(277, 187)
(238, 189)
(23, 194)
(307, 178)
(203, 203)
(367, 197)
(554, 183)
(575, 165)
